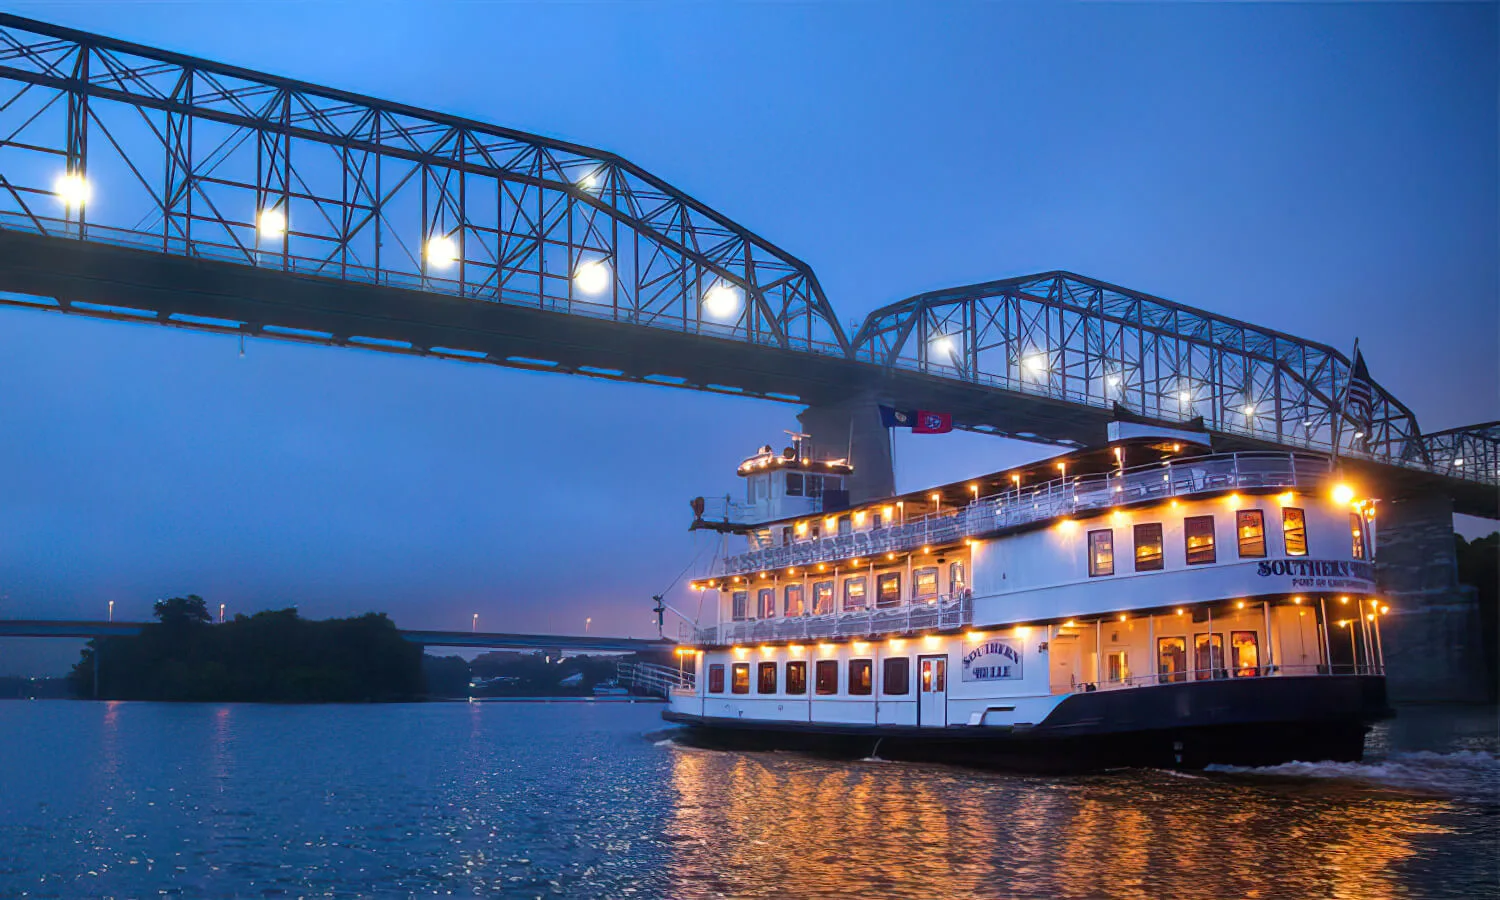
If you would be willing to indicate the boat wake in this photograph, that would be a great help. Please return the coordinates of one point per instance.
(1468, 774)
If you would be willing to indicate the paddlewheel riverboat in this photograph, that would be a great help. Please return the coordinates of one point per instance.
(1149, 602)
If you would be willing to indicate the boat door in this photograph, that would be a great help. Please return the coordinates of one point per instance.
(932, 691)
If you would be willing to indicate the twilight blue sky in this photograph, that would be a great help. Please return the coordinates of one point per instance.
(1327, 170)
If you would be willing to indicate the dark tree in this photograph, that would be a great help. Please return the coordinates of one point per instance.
(182, 611)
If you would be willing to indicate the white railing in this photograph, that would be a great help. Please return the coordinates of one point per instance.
(1063, 496)
(1220, 673)
(939, 613)
(657, 679)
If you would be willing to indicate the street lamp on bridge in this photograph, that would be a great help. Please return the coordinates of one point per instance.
(475, 626)
(111, 610)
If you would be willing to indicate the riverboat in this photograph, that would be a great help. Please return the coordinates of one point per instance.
(1148, 602)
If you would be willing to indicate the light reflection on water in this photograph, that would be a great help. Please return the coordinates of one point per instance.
(483, 800)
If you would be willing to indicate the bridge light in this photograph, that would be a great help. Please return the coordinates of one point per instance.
(1343, 493)
(1114, 381)
(271, 223)
(590, 181)
(1185, 397)
(1458, 462)
(1249, 410)
(722, 301)
(442, 251)
(592, 277)
(1358, 435)
(944, 344)
(72, 189)
(1036, 364)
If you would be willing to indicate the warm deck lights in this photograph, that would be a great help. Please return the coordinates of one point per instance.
(1343, 493)
(592, 277)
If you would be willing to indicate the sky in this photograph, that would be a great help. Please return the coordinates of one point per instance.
(1332, 171)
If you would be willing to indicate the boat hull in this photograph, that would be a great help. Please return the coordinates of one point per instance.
(1251, 722)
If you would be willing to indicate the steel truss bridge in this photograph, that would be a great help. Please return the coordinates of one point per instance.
(138, 184)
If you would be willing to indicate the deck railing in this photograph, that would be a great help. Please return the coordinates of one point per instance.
(1062, 496)
(1220, 673)
(657, 679)
(940, 613)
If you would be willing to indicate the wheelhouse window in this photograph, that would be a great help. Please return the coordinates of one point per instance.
(1101, 552)
(766, 682)
(861, 676)
(924, 583)
(1357, 535)
(896, 679)
(1199, 533)
(716, 678)
(854, 593)
(791, 601)
(1244, 654)
(956, 582)
(794, 484)
(1148, 547)
(828, 676)
(822, 598)
(1250, 524)
(740, 678)
(1294, 531)
(740, 604)
(766, 603)
(796, 678)
(888, 589)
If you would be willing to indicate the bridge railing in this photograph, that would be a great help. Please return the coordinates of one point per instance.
(1063, 496)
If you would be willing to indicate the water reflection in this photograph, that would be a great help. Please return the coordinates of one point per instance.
(744, 824)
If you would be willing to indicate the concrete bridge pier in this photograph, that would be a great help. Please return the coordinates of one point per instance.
(1431, 637)
(852, 428)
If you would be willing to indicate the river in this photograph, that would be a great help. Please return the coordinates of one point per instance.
(594, 800)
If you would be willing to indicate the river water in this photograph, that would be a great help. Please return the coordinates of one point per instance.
(594, 800)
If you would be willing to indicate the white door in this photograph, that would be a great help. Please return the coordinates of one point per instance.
(932, 692)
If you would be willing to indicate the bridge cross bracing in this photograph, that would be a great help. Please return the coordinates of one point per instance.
(147, 185)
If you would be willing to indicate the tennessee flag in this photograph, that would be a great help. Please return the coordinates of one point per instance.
(932, 423)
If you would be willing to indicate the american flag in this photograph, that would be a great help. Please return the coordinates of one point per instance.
(1359, 398)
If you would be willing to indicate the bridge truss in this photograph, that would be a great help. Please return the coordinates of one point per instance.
(119, 143)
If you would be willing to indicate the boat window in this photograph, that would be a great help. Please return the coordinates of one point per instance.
(1357, 535)
(813, 485)
(766, 684)
(741, 604)
(1294, 531)
(792, 601)
(956, 581)
(1119, 667)
(888, 589)
(766, 605)
(1199, 531)
(1171, 659)
(755, 486)
(1148, 547)
(822, 598)
(1102, 552)
(828, 676)
(896, 679)
(877, 521)
(854, 593)
(832, 483)
(924, 583)
(794, 484)
(786, 535)
(1251, 525)
(1244, 654)
(716, 678)
(1208, 656)
(861, 676)
(846, 525)
(741, 678)
(796, 678)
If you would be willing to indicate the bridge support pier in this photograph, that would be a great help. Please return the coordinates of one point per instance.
(852, 428)
(1431, 637)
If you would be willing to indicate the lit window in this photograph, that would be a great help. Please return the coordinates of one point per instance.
(956, 581)
(1294, 531)
(766, 683)
(924, 583)
(888, 589)
(1208, 656)
(796, 678)
(828, 676)
(1119, 667)
(822, 598)
(716, 678)
(1148, 547)
(741, 678)
(1171, 659)
(861, 676)
(1251, 526)
(741, 604)
(1199, 532)
(854, 593)
(766, 603)
(896, 679)
(1357, 535)
(1244, 654)
(792, 601)
(1101, 552)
